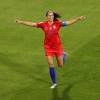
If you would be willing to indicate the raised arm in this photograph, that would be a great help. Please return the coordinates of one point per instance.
(75, 20)
(26, 23)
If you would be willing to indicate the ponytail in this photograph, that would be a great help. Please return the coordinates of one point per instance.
(56, 16)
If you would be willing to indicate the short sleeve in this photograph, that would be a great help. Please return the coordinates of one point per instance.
(60, 24)
(40, 25)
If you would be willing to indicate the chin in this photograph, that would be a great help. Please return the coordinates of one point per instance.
(51, 20)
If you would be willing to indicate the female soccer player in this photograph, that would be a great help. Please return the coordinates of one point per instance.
(52, 43)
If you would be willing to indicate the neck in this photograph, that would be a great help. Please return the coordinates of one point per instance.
(50, 22)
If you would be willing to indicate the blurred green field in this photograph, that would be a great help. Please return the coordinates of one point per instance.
(23, 67)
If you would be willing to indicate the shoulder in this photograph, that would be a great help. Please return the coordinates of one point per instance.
(41, 24)
(58, 23)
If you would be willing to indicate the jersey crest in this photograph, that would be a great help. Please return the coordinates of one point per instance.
(54, 26)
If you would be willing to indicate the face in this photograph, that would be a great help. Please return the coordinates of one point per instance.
(50, 16)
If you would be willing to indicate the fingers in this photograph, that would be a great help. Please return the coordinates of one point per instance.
(17, 21)
(82, 17)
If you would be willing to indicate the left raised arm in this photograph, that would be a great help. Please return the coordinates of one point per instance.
(75, 20)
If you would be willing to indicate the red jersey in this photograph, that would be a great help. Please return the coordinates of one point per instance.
(52, 39)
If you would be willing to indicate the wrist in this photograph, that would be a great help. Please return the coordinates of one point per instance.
(79, 18)
(20, 22)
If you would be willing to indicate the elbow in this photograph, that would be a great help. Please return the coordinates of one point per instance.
(69, 22)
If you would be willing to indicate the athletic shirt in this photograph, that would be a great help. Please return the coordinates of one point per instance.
(52, 39)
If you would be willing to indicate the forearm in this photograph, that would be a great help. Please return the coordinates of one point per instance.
(75, 20)
(26, 23)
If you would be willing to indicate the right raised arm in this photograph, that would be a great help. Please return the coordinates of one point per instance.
(26, 23)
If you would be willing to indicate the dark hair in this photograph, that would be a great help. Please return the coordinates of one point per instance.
(56, 15)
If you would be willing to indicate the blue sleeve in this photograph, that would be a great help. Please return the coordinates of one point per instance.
(64, 24)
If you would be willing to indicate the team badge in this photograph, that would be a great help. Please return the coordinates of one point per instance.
(54, 26)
